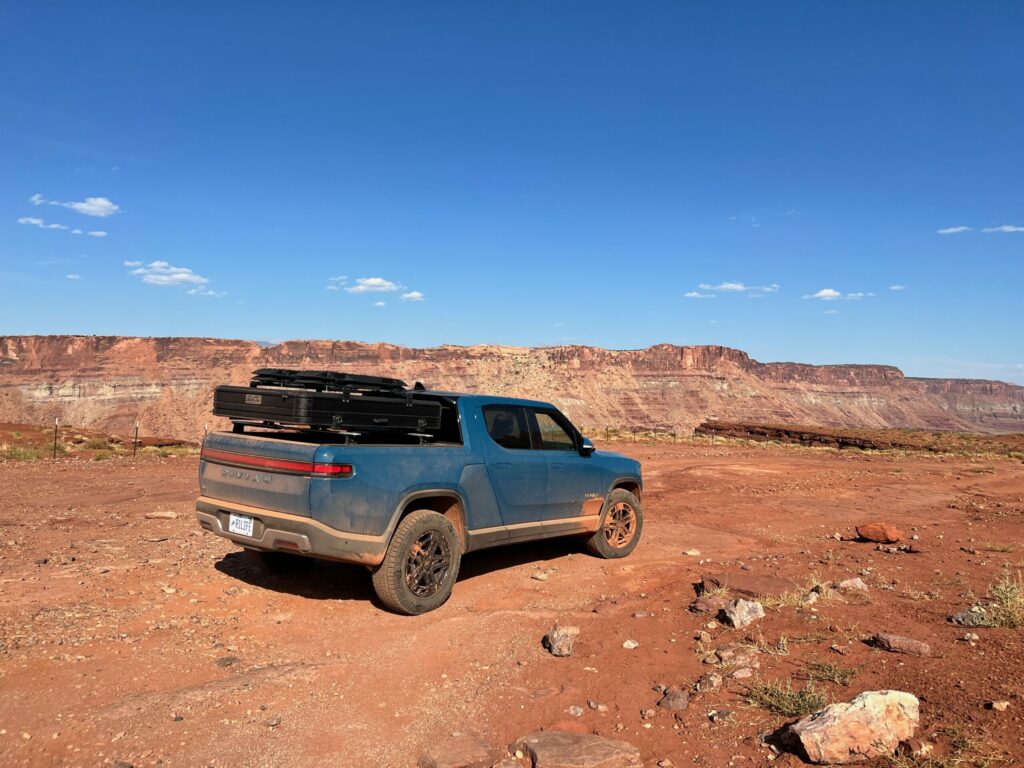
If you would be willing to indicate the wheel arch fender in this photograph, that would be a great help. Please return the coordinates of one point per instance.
(445, 501)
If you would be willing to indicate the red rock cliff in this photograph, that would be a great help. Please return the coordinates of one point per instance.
(106, 382)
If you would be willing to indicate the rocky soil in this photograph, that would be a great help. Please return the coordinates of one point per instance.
(128, 637)
(109, 382)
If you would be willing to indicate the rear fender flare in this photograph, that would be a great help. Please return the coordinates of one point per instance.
(456, 513)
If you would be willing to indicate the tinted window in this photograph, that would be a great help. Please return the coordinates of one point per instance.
(553, 436)
(507, 426)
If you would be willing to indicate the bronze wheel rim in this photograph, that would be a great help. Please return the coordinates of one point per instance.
(427, 564)
(620, 525)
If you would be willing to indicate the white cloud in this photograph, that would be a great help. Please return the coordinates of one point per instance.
(1003, 228)
(380, 303)
(162, 273)
(73, 277)
(32, 221)
(372, 285)
(335, 283)
(897, 287)
(36, 222)
(831, 312)
(858, 295)
(132, 263)
(206, 292)
(825, 294)
(413, 296)
(726, 287)
(953, 230)
(752, 291)
(91, 206)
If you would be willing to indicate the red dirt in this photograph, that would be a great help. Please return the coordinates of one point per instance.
(112, 625)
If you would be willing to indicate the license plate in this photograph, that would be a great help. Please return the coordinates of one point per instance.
(240, 524)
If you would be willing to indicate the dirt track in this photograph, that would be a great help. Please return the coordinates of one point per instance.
(143, 640)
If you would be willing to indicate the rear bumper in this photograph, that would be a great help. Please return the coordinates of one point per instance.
(280, 531)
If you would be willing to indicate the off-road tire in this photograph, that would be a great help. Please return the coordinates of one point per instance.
(280, 563)
(414, 580)
(622, 522)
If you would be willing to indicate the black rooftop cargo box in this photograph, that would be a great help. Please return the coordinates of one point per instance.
(278, 397)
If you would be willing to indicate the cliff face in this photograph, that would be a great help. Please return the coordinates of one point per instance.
(107, 382)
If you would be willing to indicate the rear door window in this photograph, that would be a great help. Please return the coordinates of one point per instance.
(507, 426)
(553, 436)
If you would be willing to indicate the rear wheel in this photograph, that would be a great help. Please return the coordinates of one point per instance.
(621, 525)
(421, 564)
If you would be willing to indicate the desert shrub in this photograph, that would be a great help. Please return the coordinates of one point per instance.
(833, 673)
(97, 444)
(1007, 606)
(16, 453)
(782, 699)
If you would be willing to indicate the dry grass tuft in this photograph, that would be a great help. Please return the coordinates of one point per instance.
(782, 699)
(829, 671)
(964, 752)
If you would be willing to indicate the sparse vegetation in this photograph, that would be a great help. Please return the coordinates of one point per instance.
(1006, 548)
(16, 453)
(97, 444)
(782, 699)
(102, 455)
(1007, 596)
(917, 595)
(963, 752)
(781, 601)
(169, 451)
(830, 672)
(779, 648)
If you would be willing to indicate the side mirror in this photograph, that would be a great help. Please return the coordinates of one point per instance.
(586, 446)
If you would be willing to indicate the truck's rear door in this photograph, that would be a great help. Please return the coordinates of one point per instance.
(259, 471)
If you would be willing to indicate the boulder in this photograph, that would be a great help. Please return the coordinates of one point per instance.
(742, 613)
(675, 698)
(738, 655)
(975, 616)
(900, 644)
(457, 751)
(882, 533)
(708, 604)
(561, 639)
(712, 681)
(856, 583)
(552, 749)
(871, 725)
(748, 585)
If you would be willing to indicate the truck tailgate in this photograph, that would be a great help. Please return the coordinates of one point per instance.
(258, 471)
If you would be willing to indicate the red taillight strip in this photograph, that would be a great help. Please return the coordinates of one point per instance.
(277, 465)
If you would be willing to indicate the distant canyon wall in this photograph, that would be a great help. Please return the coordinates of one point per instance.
(107, 382)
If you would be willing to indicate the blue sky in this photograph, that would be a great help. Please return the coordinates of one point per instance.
(775, 177)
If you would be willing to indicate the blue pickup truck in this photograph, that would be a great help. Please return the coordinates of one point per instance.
(491, 471)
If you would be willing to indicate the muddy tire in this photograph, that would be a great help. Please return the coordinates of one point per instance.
(622, 522)
(281, 563)
(421, 564)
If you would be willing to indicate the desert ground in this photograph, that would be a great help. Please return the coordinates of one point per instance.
(128, 637)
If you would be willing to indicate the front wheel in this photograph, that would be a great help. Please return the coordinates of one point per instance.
(421, 564)
(621, 525)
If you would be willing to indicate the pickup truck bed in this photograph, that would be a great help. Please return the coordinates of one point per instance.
(499, 471)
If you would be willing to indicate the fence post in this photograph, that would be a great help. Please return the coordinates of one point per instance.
(135, 440)
(56, 422)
